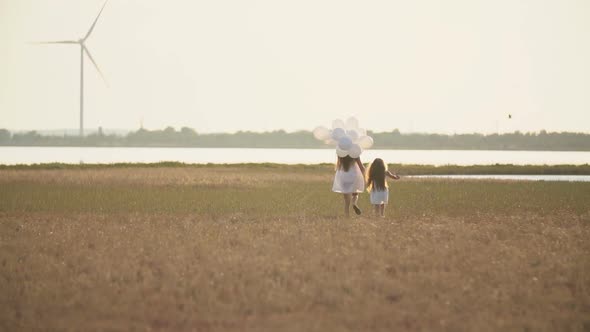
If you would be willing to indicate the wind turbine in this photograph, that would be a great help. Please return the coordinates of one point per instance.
(83, 49)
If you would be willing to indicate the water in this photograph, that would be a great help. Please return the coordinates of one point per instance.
(75, 155)
(511, 177)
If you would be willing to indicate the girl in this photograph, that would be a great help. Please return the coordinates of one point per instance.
(349, 182)
(377, 185)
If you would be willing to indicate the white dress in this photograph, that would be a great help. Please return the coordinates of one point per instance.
(380, 196)
(349, 182)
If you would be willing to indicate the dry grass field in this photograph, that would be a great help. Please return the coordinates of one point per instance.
(264, 248)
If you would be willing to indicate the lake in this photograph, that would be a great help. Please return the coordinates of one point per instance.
(74, 155)
(510, 177)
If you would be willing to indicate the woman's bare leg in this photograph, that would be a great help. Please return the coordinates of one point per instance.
(347, 199)
(355, 199)
(382, 210)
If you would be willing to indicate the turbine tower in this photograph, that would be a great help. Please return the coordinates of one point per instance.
(83, 49)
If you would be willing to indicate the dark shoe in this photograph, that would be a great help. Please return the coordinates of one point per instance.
(356, 210)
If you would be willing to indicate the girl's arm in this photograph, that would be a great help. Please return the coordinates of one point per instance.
(360, 163)
(393, 176)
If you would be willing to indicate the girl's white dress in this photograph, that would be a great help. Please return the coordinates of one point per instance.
(379, 196)
(349, 182)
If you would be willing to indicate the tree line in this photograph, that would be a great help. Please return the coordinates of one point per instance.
(188, 137)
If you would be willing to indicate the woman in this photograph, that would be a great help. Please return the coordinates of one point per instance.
(349, 181)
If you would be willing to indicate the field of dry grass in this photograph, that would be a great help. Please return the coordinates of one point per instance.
(246, 248)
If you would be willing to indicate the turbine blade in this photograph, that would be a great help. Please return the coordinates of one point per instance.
(95, 65)
(95, 20)
(56, 42)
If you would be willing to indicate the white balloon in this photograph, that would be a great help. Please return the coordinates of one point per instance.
(337, 124)
(341, 153)
(337, 133)
(355, 151)
(321, 133)
(351, 123)
(331, 141)
(365, 142)
(344, 143)
(353, 134)
(348, 137)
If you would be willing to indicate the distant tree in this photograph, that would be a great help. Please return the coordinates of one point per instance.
(186, 131)
(188, 136)
(5, 136)
(29, 138)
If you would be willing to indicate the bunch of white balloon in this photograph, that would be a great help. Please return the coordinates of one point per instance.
(350, 140)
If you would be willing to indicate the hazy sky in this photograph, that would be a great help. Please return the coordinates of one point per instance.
(227, 65)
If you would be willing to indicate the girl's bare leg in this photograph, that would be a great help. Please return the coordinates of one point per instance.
(382, 210)
(347, 199)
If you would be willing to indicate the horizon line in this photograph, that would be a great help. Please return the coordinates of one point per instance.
(66, 130)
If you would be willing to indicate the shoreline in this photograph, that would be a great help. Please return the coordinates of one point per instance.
(402, 169)
(291, 147)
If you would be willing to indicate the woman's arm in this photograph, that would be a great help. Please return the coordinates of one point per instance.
(360, 163)
(393, 176)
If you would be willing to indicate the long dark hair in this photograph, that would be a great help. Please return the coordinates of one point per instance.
(344, 163)
(376, 175)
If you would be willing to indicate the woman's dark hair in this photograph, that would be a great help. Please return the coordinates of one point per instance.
(376, 175)
(344, 163)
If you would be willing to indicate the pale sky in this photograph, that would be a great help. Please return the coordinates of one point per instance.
(451, 66)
